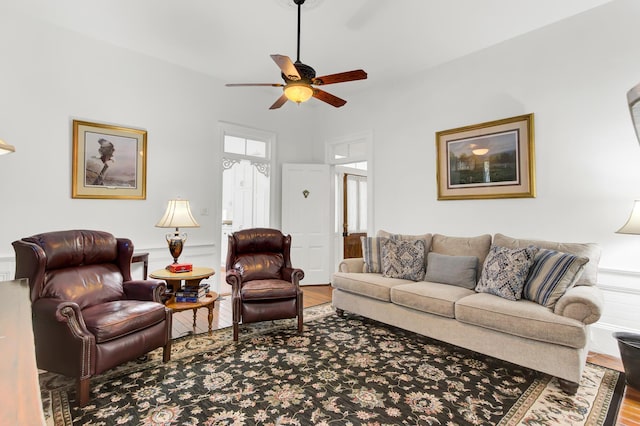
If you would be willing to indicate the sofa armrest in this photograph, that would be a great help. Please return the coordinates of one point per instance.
(351, 265)
(63, 343)
(293, 275)
(150, 290)
(234, 279)
(583, 303)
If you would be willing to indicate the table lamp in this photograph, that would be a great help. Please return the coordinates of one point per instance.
(633, 223)
(178, 215)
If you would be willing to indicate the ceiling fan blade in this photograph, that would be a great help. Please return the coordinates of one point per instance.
(286, 66)
(281, 101)
(340, 77)
(254, 84)
(328, 98)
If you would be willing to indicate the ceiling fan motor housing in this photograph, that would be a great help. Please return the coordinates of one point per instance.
(306, 73)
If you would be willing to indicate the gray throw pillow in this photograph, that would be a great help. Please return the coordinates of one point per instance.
(505, 271)
(403, 259)
(460, 271)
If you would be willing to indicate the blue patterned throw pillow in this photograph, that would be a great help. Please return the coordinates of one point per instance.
(505, 271)
(551, 275)
(403, 259)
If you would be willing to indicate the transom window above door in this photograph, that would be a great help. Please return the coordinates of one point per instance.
(245, 147)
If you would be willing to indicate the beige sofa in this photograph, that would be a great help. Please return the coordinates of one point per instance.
(551, 340)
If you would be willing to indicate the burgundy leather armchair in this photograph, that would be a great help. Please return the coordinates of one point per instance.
(88, 314)
(264, 285)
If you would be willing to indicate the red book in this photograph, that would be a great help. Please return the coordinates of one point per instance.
(180, 267)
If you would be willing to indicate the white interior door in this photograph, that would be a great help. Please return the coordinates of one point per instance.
(306, 215)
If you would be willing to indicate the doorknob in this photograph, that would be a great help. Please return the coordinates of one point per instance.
(305, 193)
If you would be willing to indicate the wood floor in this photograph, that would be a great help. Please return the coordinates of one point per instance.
(629, 414)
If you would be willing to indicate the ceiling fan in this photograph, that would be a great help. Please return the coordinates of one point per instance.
(299, 79)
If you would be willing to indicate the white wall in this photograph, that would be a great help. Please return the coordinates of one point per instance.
(50, 76)
(573, 76)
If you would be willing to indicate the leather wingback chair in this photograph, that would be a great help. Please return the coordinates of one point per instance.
(88, 314)
(264, 285)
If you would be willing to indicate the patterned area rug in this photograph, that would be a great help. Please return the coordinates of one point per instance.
(346, 371)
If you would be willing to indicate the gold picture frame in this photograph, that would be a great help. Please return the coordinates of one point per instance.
(109, 161)
(488, 160)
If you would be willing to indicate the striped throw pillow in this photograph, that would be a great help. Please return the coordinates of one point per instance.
(372, 253)
(551, 275)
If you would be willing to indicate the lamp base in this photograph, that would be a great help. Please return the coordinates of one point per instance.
(176, 243)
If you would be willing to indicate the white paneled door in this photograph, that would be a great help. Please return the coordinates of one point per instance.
(306, 215)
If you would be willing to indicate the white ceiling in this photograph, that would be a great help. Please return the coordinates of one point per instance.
(232, 39)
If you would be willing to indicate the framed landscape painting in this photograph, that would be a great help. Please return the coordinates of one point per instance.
(108, 161)
(487, 160)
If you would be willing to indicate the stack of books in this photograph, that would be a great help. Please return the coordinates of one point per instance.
(191, 293)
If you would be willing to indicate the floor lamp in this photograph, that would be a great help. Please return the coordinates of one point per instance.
(629, 343)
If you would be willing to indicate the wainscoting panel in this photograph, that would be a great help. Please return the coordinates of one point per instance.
(159, 258)
(7, 268)
(621, 291)
(196, 254)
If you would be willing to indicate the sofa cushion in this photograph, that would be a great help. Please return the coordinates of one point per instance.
(372, 252)
(366, 284)
(462, 246)
(403, 259)
(505, 271)
(86, 285)
(455, 270)
(434, 298)
(522, 318)
(259, 266)
(111, 320)
(589, 250)
(551, 274)
(66, 249)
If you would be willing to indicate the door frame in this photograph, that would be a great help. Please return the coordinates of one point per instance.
(330, 144)
(247, 132)
(342, 184)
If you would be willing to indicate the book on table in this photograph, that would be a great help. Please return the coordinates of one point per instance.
(192, 293)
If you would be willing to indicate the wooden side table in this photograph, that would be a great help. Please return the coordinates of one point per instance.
(209, 302)
(191, 278)
(174, 279)
(144, 258)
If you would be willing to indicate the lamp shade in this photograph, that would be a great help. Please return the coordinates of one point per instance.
(633, 223)
(5, 148)
(298, 92)
(177, 215)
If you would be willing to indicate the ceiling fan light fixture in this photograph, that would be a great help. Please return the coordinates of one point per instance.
(480, 151)
(298, 92)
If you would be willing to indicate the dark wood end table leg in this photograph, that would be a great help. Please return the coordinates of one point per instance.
(210, 318)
